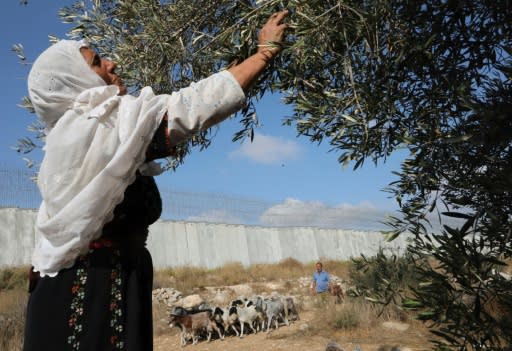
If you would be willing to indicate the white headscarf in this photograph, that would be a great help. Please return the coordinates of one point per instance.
(57, 77)
(96, 140)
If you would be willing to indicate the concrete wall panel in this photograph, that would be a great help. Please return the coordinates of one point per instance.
(175, 244)
(263, 245)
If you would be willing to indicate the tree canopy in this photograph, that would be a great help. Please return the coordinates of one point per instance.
(368, 77)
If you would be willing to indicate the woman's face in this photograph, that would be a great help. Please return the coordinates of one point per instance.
(104, 68)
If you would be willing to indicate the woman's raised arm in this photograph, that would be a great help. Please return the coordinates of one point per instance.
(248, 71)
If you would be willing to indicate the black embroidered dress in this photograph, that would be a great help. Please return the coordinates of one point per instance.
(103, 302)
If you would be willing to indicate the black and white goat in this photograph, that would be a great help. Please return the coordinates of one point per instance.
(248, 314)
(227, 317)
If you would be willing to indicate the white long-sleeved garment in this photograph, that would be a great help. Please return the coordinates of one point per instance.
(93, 150)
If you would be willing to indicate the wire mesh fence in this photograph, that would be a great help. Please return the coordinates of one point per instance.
(18, 189)
(211, 207)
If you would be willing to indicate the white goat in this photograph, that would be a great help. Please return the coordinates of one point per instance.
(248, 314)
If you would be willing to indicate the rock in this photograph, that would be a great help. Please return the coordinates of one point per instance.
(241, 290)
(506, 276)
(274, 286)
(396, 326)
(393, 348)
(333, 346)
(190, 302)
(168, 296)
(275, 295)
(221, 298)
(304, 327)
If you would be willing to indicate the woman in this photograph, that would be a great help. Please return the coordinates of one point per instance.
(92, 275)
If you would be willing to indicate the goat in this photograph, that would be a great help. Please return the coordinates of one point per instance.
(273, 309)
(337, 292)
(226, 317)
(248, 314)
(193, 324)
(257, 301)
(290, 309)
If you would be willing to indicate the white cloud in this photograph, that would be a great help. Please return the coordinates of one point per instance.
(268, 150)
(216, 216)
(296, 213)
(292, 212)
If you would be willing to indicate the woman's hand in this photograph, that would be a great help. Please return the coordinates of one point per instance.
(269, 38)
(271, 35)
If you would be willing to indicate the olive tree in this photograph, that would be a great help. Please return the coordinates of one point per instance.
(431, 77)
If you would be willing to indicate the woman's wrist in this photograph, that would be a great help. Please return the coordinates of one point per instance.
(269, 51)
(265, 55)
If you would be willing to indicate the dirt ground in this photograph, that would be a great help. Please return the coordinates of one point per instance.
(298, 336)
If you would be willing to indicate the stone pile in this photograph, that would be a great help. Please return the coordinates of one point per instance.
(167, 296)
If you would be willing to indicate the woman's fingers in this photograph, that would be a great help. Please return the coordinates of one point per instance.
(278, 17)
(274, 26)
(271, 33)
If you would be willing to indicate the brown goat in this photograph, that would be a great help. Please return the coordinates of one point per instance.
(337, 292)
(194, 324)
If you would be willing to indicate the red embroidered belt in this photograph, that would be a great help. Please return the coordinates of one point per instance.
(101, 243)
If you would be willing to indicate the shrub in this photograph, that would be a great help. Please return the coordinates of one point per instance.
(347, 318)
(383, 279)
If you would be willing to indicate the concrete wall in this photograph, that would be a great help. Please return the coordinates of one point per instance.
(174, 244)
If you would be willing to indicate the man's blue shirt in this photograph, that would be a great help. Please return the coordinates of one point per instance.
(322, 281)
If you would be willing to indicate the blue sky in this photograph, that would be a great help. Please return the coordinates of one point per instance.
(299, 177)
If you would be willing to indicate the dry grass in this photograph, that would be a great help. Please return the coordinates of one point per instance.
(13, 302)
(354, 316)
(191, 279)
(284, 270)
(13, 278)
(160, 320)
(354, 313)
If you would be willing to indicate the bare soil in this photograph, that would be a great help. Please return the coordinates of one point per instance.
(306, 334)
(295, 338)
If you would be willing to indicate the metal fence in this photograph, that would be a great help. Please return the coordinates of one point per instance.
(18, 189)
